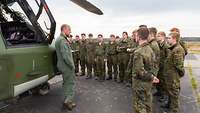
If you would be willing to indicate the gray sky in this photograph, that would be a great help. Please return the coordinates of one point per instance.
(127, 15)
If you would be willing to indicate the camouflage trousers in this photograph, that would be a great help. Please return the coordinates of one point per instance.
(161, 86)
(76, 59)
(83, 64)
(173, 91)
(142, 96)
(90, 62)
(100, 64)
(123, 60)
(112, 66)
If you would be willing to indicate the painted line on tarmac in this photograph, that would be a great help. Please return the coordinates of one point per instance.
(194, 85)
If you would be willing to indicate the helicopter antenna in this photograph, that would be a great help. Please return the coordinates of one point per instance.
(88, 6)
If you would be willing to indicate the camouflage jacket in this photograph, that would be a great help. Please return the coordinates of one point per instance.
(111, 48)
(100, 50)
(155, 47)
(143, 63)
(163, 53)
(90, 48)
(83, 49)
(174, 63)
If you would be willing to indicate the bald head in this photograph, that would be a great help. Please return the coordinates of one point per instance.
(65, 29)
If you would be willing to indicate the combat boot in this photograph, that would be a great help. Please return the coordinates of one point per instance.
(69, 105)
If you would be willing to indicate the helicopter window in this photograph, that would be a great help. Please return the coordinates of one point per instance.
(16, 33)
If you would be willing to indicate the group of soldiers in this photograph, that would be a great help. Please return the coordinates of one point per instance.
(156, 63)
(96, 54)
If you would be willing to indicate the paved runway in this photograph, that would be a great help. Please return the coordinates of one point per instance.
(107, 97)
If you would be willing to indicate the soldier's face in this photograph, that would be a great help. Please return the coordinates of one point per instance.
(112, 38)
(83, 37)
(124, 35)
(159, 38)
(170, 40)
(67, 31)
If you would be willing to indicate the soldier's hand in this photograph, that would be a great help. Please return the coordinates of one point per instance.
(128, 50)
(155, 80)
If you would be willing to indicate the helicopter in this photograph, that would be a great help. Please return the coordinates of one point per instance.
(27, 61)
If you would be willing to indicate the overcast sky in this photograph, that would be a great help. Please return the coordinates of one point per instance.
(127, 15)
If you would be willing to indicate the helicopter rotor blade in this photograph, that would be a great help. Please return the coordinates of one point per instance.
(88, 6)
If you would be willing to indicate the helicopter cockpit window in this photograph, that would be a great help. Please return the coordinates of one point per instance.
(16, 27)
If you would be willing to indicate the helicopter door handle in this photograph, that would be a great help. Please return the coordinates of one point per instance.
(45, 56)
(34, 73)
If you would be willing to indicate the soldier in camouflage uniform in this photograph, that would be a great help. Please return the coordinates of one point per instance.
(132, 47)
(123, 56)
(75, 52)
(90, 47)
(161, 87)
(143, 74)
(174, 70)
(100, 52)
(154, 45)
(65, 64)
(182, 43)
(82, 51)
(112, 58)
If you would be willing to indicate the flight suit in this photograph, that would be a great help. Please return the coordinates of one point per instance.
(76, 54)
(90, 57)
(174, 70)
(100, 52)
(83, 54)
(143, 73)
(112, 59)
(65, 64)
(123, 58)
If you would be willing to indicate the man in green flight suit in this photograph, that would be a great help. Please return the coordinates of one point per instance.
(143, 74)
(65, 64)
(174, 70)
(112, 58)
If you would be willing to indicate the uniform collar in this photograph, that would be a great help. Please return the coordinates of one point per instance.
(152, 40)
(173, 46)
(144, 44)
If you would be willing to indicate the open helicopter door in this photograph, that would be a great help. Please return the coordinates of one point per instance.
(34, 19)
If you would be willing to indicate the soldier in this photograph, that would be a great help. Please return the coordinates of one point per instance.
(182, 43)
(174, 70)
(112, 58)
(100, 56)
(65, 64)
(161, 39)
(154, 45)
(123, 56)
(83, 53)
(131, 48)
(143, 74)
(76, 54)
(90, 47)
